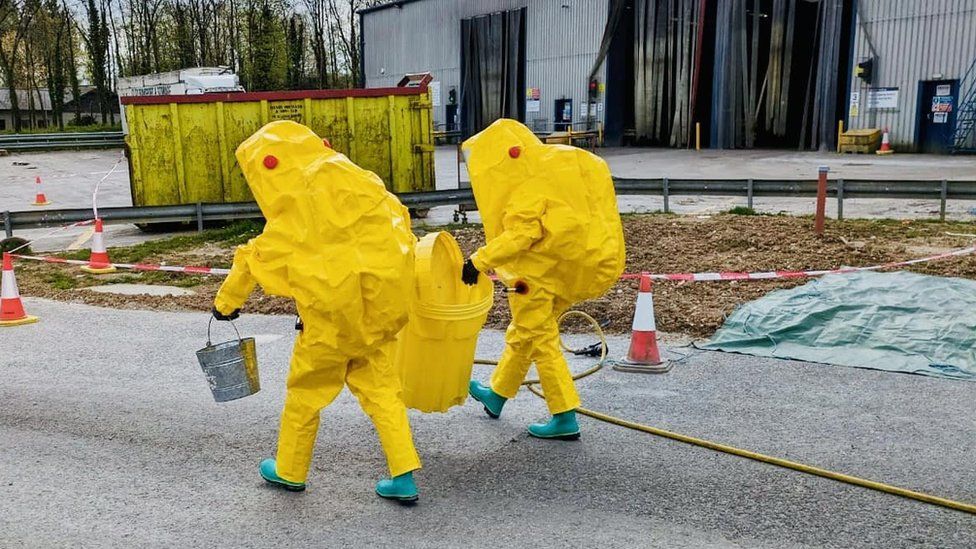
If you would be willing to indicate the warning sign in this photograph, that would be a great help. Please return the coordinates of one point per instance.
(942, 103)
(287, 110)
(883, 98)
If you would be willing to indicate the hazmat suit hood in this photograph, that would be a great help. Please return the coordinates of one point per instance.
(493, 178)
(335, 240)
(274, 161)
(563, 195)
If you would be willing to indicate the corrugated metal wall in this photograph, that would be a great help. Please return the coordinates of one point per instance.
(915, 40)
(562, 40)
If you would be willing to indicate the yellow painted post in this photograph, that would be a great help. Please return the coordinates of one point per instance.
(697, 136)
(394, 145)
(222, 144)
(426, 172)
(265, 112)
(135, 152)
(351, 127)
(178, 149)
(840, 132)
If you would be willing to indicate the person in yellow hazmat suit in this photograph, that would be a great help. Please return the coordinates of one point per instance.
(340, 245)
(554, 235)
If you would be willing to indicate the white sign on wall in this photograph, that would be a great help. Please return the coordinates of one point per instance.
(883, 98)
(435, 93)
(943, 89)
(855, 104)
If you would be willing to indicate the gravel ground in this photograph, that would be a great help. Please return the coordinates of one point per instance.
(110, 439)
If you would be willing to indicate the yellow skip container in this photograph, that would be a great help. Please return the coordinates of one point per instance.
(435, 351)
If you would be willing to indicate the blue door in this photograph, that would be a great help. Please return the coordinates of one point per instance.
(936, 115)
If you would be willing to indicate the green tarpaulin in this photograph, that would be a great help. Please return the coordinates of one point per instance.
(900, 322)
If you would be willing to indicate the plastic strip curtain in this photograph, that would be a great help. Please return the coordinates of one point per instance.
(665, 38)
(492, 69)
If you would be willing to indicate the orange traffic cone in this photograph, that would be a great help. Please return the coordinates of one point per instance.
(885, 144)
(11, 308)
(643, 356)
(39, 198)
(98, 262)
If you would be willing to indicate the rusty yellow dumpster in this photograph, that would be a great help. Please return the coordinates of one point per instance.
(181, 147)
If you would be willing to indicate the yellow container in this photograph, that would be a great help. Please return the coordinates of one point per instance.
(181, 147)
(435, 350)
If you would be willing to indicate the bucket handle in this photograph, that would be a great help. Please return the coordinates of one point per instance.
(209, 324)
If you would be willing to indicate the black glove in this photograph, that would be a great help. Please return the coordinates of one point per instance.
(232, 316)
(469, 274)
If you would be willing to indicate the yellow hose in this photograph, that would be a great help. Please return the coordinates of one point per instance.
(718, 447)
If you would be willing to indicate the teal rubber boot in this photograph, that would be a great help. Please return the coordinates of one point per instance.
(401, 488)
(269, 473)
(561, 427)
(492, 401)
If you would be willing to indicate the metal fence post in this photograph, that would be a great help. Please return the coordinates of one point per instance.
(818, 221)
(8, 227)
(749, 193)
(840, 199)
(942, 199)
(199, 217)
(667, 207)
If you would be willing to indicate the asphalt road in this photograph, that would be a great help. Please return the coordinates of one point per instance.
(109, 438)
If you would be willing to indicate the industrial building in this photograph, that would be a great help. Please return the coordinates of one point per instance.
(730, 74)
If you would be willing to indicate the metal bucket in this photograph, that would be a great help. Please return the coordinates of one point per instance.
(231, 367)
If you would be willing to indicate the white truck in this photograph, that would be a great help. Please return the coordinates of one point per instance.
(193, 81)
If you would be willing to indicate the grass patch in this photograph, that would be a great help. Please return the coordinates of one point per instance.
(624, 216)
(61, 280)
(68, 128)
(232, 235)
(742, 210)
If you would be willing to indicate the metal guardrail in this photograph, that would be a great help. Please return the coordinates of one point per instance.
(840, 189)
(70, 140)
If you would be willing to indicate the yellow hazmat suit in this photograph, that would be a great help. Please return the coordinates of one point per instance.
(340, 245)
(551, 223)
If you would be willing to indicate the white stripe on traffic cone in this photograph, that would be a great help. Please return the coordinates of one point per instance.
(11, 307)
(98, 262)
(39, 198)
(643, 356)
(885, 144)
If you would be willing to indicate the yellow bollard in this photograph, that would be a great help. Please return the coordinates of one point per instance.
(697, 136)
(840, 132)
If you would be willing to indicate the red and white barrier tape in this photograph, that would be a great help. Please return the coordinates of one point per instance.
(771, 275)
(676, 277)
(132, 266)
(51, 233)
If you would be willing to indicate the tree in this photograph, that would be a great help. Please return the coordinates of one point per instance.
(15, 22)
(96, 42)
(182, 28)
(268, 60)
(296, 52)
(53, 35)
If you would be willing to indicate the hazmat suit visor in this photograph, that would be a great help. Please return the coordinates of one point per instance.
(494, 178)
(272, 161)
